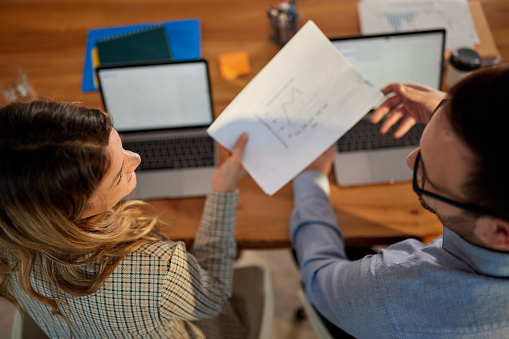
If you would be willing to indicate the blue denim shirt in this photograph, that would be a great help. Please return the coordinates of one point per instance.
(449, 288)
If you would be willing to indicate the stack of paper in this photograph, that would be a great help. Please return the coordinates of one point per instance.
(297, 106)
(382, 16)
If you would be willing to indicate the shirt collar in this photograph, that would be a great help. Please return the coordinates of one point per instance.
(482, 260)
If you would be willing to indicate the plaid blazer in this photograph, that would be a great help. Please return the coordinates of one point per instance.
(156, 291)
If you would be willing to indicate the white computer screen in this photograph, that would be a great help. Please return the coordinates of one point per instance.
(414, 57)
(157, 96)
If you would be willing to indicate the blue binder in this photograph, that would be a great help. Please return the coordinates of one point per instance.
(184, 38)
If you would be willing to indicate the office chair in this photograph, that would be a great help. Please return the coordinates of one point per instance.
(313, 317)
(26, 328)
(254, 286)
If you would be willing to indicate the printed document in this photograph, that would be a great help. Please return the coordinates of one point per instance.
(296, 107)
(382, 16)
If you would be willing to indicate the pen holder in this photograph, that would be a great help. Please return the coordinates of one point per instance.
(284, 23)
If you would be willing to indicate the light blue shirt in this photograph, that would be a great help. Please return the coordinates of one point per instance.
(449, 288)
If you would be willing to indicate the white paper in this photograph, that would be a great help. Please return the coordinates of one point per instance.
(381, 16)
(296, 107)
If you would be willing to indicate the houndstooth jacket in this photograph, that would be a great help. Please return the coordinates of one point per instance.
(156, 291)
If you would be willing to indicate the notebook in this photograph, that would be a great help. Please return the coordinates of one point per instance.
(144, 45)
(162, 111)
(184, 38)
(364, 156)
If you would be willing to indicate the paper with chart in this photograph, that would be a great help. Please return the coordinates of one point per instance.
(296, 107)
(382, 16)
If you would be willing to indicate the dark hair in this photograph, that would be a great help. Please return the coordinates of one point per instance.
(479, 114)
(53, 152)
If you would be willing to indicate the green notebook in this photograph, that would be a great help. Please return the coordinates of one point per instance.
(145, 45)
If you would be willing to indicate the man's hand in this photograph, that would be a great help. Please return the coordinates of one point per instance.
(323, 163)
(410, 102)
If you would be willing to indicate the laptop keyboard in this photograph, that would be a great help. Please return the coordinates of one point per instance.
(189, 152)
(365, 135)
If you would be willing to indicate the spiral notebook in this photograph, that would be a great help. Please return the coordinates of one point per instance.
(145, 45)
(184, 39)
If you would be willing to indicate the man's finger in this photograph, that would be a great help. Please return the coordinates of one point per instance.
(385, 108)
(392, 119)
(405, 125)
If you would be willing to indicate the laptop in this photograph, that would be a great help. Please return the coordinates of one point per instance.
(364, 156)
(162, 111)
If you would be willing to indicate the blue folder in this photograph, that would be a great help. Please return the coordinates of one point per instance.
(184, 38)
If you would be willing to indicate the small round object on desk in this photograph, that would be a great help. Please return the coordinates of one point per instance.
(462, 62)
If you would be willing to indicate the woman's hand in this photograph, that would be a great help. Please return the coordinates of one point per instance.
(231, 171)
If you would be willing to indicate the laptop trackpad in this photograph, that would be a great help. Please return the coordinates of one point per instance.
(390, 165)
(382, 166)
(172, 184)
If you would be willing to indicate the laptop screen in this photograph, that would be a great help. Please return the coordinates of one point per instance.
(157, 96)
(415, 57)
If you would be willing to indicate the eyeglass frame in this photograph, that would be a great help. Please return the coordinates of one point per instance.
(470, 208)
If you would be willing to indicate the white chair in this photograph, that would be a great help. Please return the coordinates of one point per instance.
(254, 286)
(26, 328)
(314, 319)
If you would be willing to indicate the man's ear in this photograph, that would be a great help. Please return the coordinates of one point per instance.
(498, 236)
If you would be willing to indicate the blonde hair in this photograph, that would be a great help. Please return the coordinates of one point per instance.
(55, 159)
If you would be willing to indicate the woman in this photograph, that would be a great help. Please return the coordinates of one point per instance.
(84, 264)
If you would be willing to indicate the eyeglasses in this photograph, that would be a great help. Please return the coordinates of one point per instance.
(420, 191)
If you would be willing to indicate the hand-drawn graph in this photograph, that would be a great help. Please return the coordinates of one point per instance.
(287, 105)
(397, 20)
(290, 112)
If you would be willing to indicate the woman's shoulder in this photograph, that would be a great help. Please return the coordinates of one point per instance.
(153, 258)
(157, 251)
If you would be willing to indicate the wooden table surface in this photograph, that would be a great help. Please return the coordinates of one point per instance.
(48, 38)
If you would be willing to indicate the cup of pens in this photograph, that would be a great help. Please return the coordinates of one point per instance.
(284, 22)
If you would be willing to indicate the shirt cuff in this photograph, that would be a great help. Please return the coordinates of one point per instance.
(309, 183)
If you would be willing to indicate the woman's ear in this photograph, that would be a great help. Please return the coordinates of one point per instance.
(92, 207)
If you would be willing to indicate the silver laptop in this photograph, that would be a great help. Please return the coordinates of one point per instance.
(162, 111)
(364, 156)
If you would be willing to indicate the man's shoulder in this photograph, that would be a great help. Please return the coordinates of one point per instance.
(412, 254)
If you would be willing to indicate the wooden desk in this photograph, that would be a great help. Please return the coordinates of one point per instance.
(48, 37)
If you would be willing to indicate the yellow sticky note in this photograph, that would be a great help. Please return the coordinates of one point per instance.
(233, 64)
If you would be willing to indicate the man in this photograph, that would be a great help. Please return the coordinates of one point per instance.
(458, 285)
